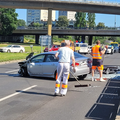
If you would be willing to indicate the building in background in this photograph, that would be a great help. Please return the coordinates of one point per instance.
(38, 16)
(69, 14)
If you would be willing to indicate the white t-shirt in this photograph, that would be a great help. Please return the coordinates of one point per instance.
(65, 54)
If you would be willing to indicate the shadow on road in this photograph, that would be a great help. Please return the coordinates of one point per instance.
(10, 74)
(107, 104)
(35, 93)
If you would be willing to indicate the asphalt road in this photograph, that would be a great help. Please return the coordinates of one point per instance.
(32, 98)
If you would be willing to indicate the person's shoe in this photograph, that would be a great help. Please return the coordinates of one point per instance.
(62, 95)
(56, 94)
(102, 80)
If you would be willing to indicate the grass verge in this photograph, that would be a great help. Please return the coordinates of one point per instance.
(18, 56)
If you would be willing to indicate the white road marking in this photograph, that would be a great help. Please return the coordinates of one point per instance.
(12, 71)
(9, 96)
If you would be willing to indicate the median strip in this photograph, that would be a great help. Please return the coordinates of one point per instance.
(9, 96)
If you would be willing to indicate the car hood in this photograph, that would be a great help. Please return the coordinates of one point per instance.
(30, 55)
(3, 47)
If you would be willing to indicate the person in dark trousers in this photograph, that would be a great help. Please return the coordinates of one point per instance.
(64, 55)
(97, 61)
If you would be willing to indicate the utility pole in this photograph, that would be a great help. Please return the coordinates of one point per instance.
(115, 18)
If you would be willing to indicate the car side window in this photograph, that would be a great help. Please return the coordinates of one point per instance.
(38, 59)
(51, 58)
(17, 46)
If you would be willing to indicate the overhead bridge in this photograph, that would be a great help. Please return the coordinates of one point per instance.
(73, 32)
(64, 5)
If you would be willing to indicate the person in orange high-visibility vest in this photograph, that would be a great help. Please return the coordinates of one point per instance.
(97, 61)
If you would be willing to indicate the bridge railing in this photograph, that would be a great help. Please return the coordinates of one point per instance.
(104, 2)
(70, 28)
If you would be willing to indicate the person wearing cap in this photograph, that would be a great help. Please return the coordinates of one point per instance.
(96, 54)
(64, 55)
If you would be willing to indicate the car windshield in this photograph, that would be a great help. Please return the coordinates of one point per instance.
(9, 46)
(77, 55)
(114, 45)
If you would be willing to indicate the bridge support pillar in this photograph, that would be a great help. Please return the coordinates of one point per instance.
(83, 38)
(49, 22)
(90, 40)
(36, 39)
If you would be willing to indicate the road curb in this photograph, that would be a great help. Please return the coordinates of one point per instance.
(13, 61)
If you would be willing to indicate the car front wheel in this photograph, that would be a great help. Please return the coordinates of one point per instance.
(8, 51)
(24, 72)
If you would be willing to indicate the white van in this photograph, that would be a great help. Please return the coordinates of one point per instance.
(83, 47)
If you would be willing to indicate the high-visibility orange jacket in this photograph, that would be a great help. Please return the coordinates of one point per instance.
(96, 52)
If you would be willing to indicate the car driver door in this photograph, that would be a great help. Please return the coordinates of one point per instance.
(35, 65)
(50, 65)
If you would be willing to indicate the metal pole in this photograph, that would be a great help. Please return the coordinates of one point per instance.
(115, 17)
(49, 21)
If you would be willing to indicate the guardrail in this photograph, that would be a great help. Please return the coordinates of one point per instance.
(103, 2)
(70, 28)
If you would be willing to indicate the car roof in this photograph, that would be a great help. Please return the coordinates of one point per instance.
(15, 45)
(50, 52)
(54, 52)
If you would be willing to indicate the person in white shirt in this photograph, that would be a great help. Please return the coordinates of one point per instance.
(64, 55)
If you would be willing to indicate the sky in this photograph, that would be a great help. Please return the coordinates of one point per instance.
(108, 19)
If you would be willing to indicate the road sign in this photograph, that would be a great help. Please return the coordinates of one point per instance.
(45, 40)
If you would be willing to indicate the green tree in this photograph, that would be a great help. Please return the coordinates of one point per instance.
(21, 22)
(100, 25)
(80, 20)
(113, 38)
(36, 24)
(91, 20)
(62, 21)
(9, 21)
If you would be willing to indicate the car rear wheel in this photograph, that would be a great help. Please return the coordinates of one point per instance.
(8, 51)
(21, 51)
(56, 74)
(82, 77)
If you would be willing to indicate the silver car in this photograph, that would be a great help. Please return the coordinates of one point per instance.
(45, 65)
